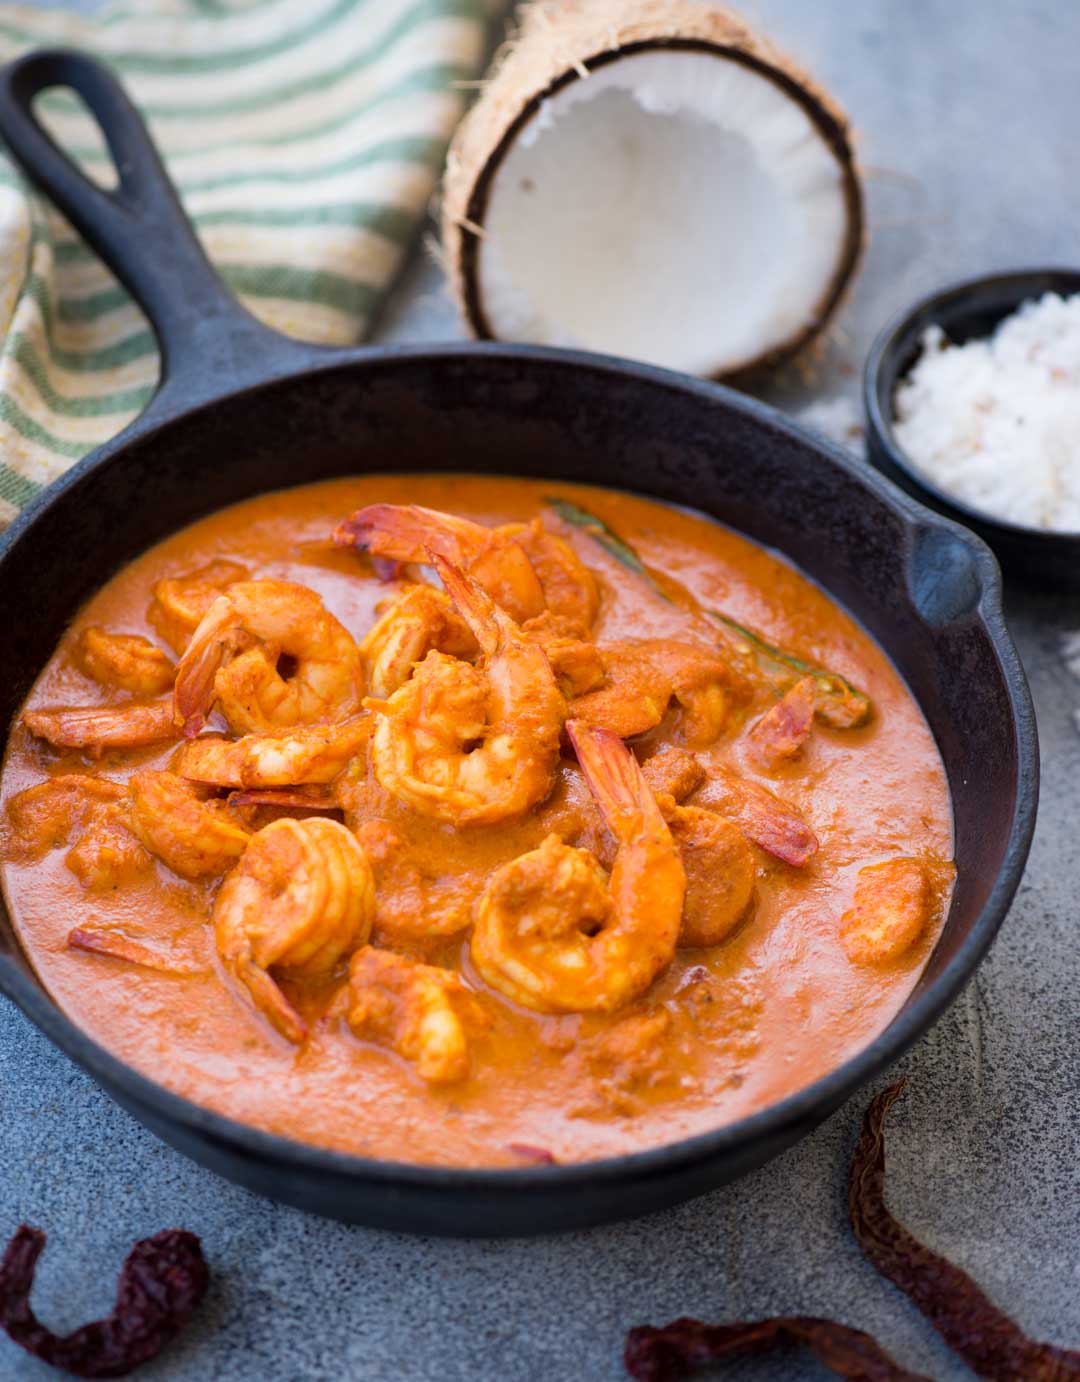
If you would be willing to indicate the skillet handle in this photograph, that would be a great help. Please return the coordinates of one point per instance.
(209, 343)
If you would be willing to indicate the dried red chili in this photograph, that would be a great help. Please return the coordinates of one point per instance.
(990, 1343)
(677, 1350)
(161, 1282)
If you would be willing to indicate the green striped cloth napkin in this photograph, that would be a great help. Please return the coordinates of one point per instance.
(305, 137)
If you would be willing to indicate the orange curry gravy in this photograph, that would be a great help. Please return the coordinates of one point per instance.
(722, 1032)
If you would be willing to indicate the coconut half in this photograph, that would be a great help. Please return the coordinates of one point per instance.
(651, 180)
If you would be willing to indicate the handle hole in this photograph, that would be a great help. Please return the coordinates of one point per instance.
(73, 127)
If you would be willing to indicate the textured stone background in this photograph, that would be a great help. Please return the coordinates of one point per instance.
(967, 120)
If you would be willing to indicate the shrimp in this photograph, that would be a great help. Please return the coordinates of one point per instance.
(108, 855)
(296, 758)
(472, 745)
(45, 816)
(156, 814)
(410, 533)
(720, 872)
(521, 566)
(420, 620)
(193, 836)
(631, 1060)
(719, 861)
(674, 771)
(409, 905)
(570, 589)
(300, 899)
(890, 911)
(634, 696)
(179, 603)
(98, 728)
(234, 659)
(643, 676)
(577, 664)
(703, 687)
(419, 1011)
(554, 932)
(125, 660)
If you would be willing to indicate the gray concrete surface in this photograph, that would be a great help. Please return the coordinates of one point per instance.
(967, 118)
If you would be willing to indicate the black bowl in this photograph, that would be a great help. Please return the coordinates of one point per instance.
(928, 591)
(966, 311)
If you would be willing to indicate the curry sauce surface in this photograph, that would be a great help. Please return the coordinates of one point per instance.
(724, 1032)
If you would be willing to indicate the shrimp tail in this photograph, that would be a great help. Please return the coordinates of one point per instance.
(615, 779)
(193, 692)
(288, 798)
(122, 948)
(770, 823)
(97, 728)
(409, 533)
(484, 618)
(406, 532)
(269, 999)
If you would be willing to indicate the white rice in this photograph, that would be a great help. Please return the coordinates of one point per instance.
(996, 422)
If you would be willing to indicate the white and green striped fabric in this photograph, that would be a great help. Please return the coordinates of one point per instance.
(305, 137)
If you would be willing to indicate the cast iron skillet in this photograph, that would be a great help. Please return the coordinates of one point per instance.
(241, 410)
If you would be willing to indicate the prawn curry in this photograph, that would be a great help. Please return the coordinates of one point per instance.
(473, 821)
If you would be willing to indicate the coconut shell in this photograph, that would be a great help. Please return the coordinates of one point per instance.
(561, 41)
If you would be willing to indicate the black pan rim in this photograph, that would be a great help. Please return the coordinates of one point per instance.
(138, 1091)
(880, 378)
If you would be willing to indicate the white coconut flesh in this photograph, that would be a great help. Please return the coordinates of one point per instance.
(677, 207)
